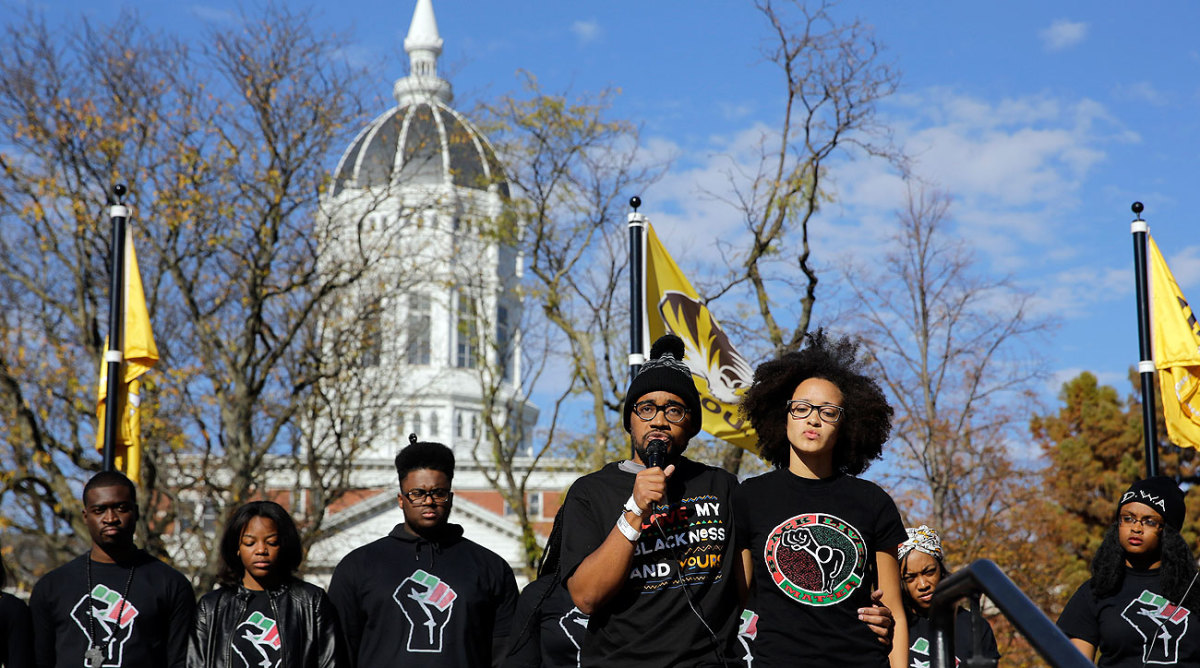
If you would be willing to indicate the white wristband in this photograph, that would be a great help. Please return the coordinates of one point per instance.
(627, 530)
(631, 506)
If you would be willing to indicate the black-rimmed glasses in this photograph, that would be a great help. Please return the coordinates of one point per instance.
(648, 409)
(800, 409)
(438, 494)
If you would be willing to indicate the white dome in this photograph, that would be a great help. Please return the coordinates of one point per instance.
(424, 142)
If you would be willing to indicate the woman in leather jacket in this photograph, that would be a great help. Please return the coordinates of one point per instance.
(262, 615)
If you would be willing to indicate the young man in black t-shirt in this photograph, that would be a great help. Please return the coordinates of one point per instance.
(116, 606)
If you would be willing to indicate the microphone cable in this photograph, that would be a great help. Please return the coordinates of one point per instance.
(717, 645)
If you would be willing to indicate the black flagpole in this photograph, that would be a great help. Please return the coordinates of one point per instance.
(114, 356)
(1146, 369)
(637, 294)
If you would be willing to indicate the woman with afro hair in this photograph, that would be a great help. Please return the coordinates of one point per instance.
(1140, 606)
(815, 539)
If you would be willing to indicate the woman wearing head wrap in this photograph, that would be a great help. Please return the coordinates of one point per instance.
(1140, 606)
(922, 567)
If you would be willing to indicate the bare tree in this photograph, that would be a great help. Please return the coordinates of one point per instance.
(955, 352)
(834, 76)
(573, 169)
(226, 148)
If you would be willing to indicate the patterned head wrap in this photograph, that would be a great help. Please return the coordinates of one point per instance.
(921, 539)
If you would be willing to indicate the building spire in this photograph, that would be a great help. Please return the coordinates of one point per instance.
(423, 45)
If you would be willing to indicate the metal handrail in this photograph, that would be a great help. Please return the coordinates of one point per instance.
(985, 577)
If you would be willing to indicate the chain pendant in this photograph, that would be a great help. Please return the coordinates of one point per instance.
(94, 657)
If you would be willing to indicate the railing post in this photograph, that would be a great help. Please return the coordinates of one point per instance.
(984, 577)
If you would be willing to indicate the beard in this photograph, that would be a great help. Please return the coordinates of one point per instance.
(673, 452)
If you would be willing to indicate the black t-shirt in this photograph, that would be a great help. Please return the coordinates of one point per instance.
(404, 600)
(684, 560)
(149, 631)
(814, 544)
(16, 633)
(920, 639)
(1135, 627)
(547, 629)
(256, 638)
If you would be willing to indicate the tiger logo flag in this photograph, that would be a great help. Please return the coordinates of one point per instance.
(1176, 339)
(719, 370)
(140, 355)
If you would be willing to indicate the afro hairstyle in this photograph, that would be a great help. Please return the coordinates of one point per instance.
(866, 419)
(424, 455)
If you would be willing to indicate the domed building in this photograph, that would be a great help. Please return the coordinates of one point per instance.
(420, 191)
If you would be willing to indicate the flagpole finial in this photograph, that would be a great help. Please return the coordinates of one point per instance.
(1137, 209)
(635, 202)
(119, 191)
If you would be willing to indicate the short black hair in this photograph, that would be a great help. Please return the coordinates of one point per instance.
(866, 418)
(424, 455)
(290, 552)
(109, 479)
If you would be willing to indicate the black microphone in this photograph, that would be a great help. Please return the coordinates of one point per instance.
(656, 453)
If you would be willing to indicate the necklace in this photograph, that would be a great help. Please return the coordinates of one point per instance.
(95, 654)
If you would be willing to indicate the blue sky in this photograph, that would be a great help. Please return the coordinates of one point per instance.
(1044, 121)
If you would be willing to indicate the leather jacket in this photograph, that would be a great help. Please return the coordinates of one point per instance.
(305, 621)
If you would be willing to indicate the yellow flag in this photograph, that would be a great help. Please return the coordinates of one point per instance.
(140, 355)
(1176, 337)
(719, 370)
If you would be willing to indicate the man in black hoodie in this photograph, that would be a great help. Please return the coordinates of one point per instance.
(424, 595)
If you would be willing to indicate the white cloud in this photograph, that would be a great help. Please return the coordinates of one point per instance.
(1081, 290)
(1146, 92)
(732, 112)
(1060, 377)
(587, 31)
(1014, 168)
(213, 14)
(1185, 267)
(1063, 34)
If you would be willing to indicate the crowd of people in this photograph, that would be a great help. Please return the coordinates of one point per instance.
(655, 560)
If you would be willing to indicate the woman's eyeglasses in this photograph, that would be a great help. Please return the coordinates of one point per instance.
(1148, 522)
(800, 409)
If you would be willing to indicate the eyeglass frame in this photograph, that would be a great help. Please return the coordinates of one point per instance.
(841, 412)
(660, 409)
(1144, 522)
(418, 494)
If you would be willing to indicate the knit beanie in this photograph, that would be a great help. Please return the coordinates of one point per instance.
(1160, 493)
(666, 372)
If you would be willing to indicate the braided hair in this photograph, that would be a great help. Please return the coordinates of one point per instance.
(1178, 567)
(548, 565)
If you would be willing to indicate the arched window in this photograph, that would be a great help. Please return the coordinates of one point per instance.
(420, 316)
(466, 332)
